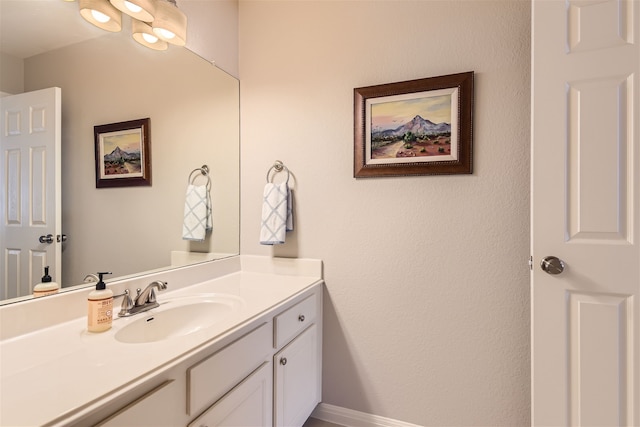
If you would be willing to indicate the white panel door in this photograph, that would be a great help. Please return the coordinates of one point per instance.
(30, 132)
(585, 211)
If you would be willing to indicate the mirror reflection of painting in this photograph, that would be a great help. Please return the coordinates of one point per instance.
(122, 153)
(417, 127)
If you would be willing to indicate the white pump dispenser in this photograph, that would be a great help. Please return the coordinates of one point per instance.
(46, 287)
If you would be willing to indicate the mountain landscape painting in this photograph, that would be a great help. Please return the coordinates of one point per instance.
(417, 127)
(122, 153)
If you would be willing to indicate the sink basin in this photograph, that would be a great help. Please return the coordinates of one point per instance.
(178, 317)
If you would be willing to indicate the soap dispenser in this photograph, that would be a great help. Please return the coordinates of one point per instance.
(100, 301)
(46, 287)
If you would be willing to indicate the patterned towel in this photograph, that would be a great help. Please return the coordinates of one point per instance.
(197, 213)
(277, 213)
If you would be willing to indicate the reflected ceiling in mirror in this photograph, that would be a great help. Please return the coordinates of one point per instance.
(194, 113)
(32, 27)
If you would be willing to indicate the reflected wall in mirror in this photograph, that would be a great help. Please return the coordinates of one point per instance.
(194, 113)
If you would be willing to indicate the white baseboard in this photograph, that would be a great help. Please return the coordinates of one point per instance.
(351, 418)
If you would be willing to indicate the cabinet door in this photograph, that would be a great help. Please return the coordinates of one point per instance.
(297, 379)
(246, 405)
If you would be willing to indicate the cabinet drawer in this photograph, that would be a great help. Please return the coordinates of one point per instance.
(291, 322)
(158, 407)
(211, 378)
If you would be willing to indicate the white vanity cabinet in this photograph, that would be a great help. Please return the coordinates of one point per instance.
(231, 386)
(267, 375)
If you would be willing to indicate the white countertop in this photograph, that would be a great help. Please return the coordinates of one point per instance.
(54, 372)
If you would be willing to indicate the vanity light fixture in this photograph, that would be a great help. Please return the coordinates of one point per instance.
(101, 14)
(170, 24)
(142, 10)
(154, 23)
(143, 34)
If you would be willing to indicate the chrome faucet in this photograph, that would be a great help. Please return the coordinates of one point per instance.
(90, 278)
(145, 299)
(148, 296)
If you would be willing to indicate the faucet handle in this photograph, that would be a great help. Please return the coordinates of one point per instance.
(127, 303)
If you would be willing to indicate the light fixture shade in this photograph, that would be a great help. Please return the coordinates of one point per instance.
(170, 24)
(143, 10)
(101, 14)
(143, 34)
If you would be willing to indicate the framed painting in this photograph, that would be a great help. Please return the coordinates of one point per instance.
(123, 156)
(416, 127)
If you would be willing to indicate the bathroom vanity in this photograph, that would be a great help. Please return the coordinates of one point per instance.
(233, 342)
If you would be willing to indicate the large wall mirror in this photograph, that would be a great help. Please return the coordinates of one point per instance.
(193, 109)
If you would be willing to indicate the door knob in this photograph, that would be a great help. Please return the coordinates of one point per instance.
(46, 239)
(552, 265)
(61, 238)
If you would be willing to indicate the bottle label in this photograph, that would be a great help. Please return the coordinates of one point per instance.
(100, 312)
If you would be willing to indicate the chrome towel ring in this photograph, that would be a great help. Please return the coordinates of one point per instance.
(204, 171)
(278, 166)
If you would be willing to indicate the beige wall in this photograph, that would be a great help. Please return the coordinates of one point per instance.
(193, 108)
(11, 74)
(427, 302)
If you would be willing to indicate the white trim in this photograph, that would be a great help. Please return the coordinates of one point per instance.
(351, 418)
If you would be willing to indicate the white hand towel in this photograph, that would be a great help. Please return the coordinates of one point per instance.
(289, 209)
(209, 213)
(197, 213)
(277, 214)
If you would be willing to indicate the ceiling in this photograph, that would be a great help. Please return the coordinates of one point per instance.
(58, 22)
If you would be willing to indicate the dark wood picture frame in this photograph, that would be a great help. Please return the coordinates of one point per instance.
(123, 154)
(392, 138)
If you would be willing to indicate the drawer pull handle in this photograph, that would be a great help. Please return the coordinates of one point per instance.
(301, 318)
(283, 361)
